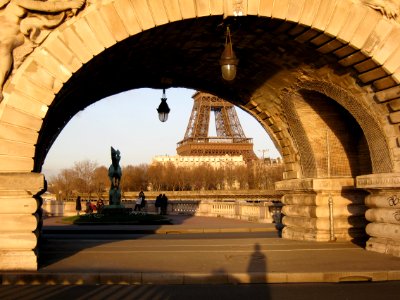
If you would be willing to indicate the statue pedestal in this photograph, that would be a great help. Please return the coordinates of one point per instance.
(115, 210)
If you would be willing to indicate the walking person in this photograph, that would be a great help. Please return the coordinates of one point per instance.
(78, 205)
(157, 204)
(138, 205)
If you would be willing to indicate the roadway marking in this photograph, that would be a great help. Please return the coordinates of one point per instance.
(198, 251)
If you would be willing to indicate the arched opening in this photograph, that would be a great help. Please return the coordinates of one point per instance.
(330, 140)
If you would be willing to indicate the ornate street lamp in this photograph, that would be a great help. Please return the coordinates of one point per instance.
(228, 59)
(163, 109)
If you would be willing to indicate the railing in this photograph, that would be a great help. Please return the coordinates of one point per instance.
(259, 211)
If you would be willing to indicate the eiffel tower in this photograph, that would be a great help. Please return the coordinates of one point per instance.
(230, 137)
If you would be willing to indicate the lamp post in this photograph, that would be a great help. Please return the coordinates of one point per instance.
(228, 60)
(163, 109)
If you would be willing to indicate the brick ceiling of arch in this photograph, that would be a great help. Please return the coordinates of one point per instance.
(186, 54)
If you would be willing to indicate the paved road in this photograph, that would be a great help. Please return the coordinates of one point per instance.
(340, 291)
(220, 254)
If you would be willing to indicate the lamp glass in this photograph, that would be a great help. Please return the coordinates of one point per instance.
(228, 72)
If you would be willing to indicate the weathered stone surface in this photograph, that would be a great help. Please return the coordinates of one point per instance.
(17, 241)
(383, 215)
(323, 211)
(18, 260)
(384, 230)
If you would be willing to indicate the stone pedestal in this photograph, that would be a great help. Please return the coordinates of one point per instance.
(20, 220)
(383, 212)
(307, 214)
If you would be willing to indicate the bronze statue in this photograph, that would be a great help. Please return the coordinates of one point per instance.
(115, 174)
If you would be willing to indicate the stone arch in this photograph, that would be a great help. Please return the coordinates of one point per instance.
(348, 34)
(371, 50)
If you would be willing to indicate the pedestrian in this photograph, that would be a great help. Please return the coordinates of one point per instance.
(141, 195)
(164, 204)
(138, 205)
(157, 204)
(89, 209)
(78, 205)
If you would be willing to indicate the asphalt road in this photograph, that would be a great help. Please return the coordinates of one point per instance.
(338, 291)
(201, 253)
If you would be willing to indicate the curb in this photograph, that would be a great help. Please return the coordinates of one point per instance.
(156, 231)
(138, 278)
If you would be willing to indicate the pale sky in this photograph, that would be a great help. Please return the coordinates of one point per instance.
(129, 122)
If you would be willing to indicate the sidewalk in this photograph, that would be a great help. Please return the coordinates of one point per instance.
(180, 224)
(147, 254)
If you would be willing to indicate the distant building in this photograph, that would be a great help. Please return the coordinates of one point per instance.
(194, 161)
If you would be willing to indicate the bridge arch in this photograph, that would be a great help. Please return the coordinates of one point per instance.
(342, 50)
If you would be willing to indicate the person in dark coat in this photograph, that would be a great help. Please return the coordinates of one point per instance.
(158, 204)
(78, 205)
(164, 204)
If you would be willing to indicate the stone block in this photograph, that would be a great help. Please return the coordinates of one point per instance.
(365, 66)
(339, 17)
(345, 51)
(158, 12)
(18, 223)
(372, 75)
(25, 182)
(378, 36)
(100, 29)
(352, 59)
(203, 8)
(83, 30)
(16, 133)
(295, 10)
(40, 94)
(330, 47)
(389, 94)
(384, 83)
(188, 9)
(41, 77)
(173, 10)
(392, 64)
(389, 47)
(52, 65)
(394, 117)
(57, 49)
(309, 12)
(384, 230)
(17, 241)
(28, 105)
(217, 7)
(14, 204)
(70, 38)
(324, 15)
(265, 8)
(15, 164)
(383, 215)
(356, 15)
(17, 260)
(280, 9)
(365, 29)
(19, 118)
(17, 149)
(125, 10)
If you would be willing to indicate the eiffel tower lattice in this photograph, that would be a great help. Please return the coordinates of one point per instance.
(230, 137)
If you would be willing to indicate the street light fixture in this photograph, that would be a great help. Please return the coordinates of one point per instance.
(228, 59)
(163, 109)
